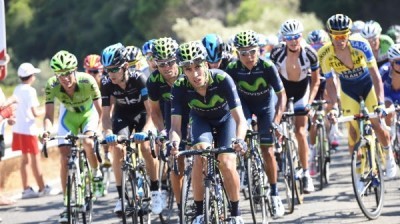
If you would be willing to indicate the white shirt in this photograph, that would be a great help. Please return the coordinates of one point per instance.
(24, 120)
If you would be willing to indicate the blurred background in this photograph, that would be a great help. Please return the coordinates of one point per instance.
(37, 29)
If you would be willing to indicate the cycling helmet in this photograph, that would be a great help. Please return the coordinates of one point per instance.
(371, 29)
(189, 52)
(394, 33)
(339, 23)
(92, 61)
(394, 52)
(358, 26)
(291, 27)
(113, 55)
(247, 38)
(133, 54)
(164, 48)
(214, 46)
(63, 61)
(262, 40)
(146, 48)
(317, 37)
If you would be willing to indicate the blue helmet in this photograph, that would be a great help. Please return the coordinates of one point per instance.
(214, 46)
(113, 55)
(147, 46)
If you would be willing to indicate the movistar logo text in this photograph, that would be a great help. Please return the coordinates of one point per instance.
(256, 85)
(214, 100)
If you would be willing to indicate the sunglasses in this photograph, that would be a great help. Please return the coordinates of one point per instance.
(64, 74)
(149, 57)
(248, 52)
(133, 63)
(339, 36)
(397, 62)
(163, 64)
(292, 37)
(196, 61)
(93, 71)
(113, 70)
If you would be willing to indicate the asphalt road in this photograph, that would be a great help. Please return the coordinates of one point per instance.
(334, 204)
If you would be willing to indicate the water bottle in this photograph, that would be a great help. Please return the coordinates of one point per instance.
(139, 184)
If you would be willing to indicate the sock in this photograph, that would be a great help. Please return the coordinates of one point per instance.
(274, 190)
(119, 190)
(153, 185)
(235, 208)
(199, 207)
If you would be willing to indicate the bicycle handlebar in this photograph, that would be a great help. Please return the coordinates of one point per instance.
(362, 116)
(206, 151)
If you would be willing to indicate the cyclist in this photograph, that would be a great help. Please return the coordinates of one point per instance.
(357, 27)
(216, 55)
(93, 66)
(380, 43)
(391, 80)
(136, 60)
(146, 51)
(80, 110)
(254, 79)
(159, 85)
(352, 59)
(131, 111)
(214, 103)
(294, 59)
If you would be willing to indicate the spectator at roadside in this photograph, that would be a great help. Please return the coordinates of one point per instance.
(25, 131)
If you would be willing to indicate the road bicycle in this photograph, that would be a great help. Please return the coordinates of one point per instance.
(320, 159)
(136, 198)
(395, 130)
(216, 203)
(188, 207)
(366, 165)
(78, 199)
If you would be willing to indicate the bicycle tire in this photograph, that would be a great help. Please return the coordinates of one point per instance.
(128, 200)
(298, 172)
(320, 155)
(87, 184)
(144, 211)
(256, 187)
(166, 214)
(374, 188)
(188, 209)
(211, 214)
(288, 176)
(72, 199)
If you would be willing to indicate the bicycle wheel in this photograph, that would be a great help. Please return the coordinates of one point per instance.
(320, 155)
(128, 200)
(87, 192)
(188, 208)
(368, 186)
(72, 199)
(144, 210)
(288, 177)
(166, 186)
(211, 214)
(256, 181)
(298, 172)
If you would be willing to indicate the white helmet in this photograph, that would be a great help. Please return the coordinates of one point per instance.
(358, 26)
(394, 52)
(371, 29)
(291, 27)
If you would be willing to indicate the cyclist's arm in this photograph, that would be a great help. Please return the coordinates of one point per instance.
(149, 121)
(175, 132)
(241, 124)
(377, 81)
(156, 114)
(97, 105)
(106, 120)
(315, 82)
(280, 106)
(48, 117)
(332, 91)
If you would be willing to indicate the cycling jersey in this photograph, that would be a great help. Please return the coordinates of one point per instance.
(391, 95)
(129, 101)
(160, 91)
(86, 90)
(298, 89)
(254, 88)
(221, 96)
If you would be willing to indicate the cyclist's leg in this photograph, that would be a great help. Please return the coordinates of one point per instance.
(89, 127)
(350, 107)
(226, 131)
(201, 138)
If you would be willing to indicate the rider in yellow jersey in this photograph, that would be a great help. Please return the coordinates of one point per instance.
(352, 59)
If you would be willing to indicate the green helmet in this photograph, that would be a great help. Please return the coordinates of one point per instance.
(164, 48)
(189, 53)
(63, 61)
(247, 38)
